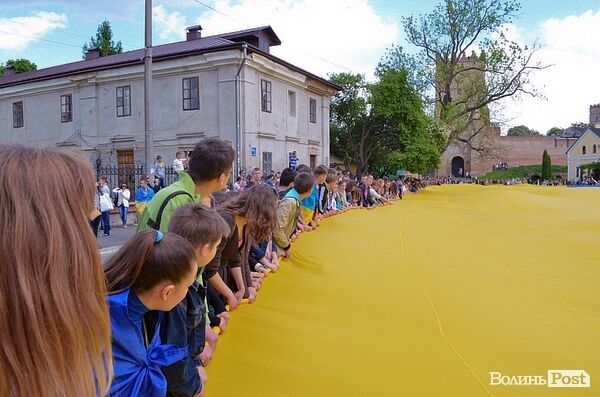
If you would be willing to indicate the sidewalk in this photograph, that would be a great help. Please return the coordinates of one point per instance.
(111, 244)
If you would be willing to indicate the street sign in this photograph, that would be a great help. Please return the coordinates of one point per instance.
(253, 151)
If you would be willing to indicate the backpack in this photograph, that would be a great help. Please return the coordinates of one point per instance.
(156, 224)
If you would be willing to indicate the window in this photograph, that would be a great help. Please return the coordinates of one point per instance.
(191, 99)
(313, 110)
(267, 162)
(583, 150)
(594, 149)
(18, 114)
(265, 96)
(124, 101)
(66, 108)
(292, 103)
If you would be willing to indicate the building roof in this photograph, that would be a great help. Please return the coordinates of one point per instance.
(572, 132)
(593, 130)
(165, 51)
(242, 33)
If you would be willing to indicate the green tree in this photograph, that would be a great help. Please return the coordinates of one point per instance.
(20, 64)
(352, 123)
(581, 125)
(546, 167)
(554, 131)
(382, 125)
(103, 41)
(465, 88)
(408, 139)
(521, 130)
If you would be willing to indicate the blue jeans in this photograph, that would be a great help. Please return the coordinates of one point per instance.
(106, 222)
(123, 214)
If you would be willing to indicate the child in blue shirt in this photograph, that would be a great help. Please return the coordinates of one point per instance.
(151, 271)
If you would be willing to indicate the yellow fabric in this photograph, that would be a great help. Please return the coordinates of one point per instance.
(424, 298)
(307, 214)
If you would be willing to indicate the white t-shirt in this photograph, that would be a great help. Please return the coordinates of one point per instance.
(374, 193)
(178, 165)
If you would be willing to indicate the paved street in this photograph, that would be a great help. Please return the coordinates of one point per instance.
(118, 236)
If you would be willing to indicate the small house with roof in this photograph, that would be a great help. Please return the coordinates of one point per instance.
(583, 157)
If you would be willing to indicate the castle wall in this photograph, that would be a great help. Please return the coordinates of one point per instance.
(527, 150)
(513, 150)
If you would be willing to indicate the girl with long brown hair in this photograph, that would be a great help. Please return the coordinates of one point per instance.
(54, 322)
(151, 272)
(251, 217)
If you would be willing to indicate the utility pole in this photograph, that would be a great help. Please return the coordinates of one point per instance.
(148, 114)
(237, 167)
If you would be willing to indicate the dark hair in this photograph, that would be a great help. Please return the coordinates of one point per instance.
(303, 168)
(210, 158)
(287, 177)
(222, 196)
(198, 224)
(320, 170)
(350, 186)
(330, 178)
(141, 263)
(257, 205)
(304, 182)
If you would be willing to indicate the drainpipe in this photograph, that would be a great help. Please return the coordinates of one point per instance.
(238, 116)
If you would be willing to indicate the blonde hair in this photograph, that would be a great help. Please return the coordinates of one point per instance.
(54, 320)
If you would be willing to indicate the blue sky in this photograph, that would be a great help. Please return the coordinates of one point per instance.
(323, 37)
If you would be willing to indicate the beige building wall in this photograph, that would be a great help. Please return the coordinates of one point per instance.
(576, 157)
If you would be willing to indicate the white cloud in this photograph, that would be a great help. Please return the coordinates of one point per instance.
(18, 32)
(570, 44)
(319, 36)
(169, 26)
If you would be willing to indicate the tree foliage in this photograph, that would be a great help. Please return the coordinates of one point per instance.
(546, 167)
(383, 125)
(581, 125)
(460, 84)
(522, 130)
(21, 65)
(103, 41)
(554, 131)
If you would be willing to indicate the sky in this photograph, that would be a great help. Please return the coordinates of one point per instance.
(325, 36)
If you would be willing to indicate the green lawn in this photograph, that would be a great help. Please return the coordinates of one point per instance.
(523, 171)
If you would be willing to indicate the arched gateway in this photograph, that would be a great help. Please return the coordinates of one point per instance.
(458, 167)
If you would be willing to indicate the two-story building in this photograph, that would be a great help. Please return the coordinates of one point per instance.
(96, 106)
(582, 155)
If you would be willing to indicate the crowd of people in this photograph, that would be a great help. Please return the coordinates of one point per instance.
(148, 322)
(501, 165)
